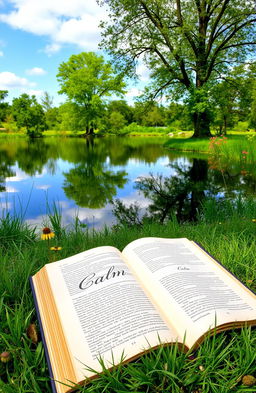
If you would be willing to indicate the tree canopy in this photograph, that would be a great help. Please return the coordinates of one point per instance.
(187, 45)
(29, 113)
(87, 79)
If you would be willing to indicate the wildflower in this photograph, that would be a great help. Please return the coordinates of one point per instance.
(249, 380)
(254, 220)
(32, 333)
(55, 248)
(47, 234)
(5, 357)
(245, 152)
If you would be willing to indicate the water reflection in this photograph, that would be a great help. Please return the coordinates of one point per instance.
(87, 174)
(181, 195)
(91, 183)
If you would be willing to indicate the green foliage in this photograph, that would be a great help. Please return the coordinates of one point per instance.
(71, 117)
(253, 108)
(86, 79)
(10, 124)
(15, 232)
(216, 367)
(51, 112)
(116, 121)
(29, 113)
(186, 45)
(134, 128)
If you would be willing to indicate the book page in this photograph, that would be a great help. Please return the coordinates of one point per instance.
(103, 310)
(191, 289)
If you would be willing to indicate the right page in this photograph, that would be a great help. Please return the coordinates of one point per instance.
(192, 291)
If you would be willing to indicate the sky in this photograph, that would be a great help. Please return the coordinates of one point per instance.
(37, 35)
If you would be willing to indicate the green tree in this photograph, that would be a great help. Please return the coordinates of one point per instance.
(87, 79)
(51, 112)
(4, 106)
(29, 113)
(121, 106)
(232, 97)
(187, 45)
(116, 121)
(253, 108)
(154, 117)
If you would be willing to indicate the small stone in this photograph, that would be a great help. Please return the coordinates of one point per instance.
(32, 333)
(201, 368)
(5, 357)
(249, 380)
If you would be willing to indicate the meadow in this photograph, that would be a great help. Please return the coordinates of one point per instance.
(225, 362)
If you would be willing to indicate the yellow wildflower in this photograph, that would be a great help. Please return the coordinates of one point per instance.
(254, 220)
(55, 248)
(47, 234)
(5, 357)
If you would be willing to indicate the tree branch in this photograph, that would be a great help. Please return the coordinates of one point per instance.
(239, 44)
(186, 33)
(217, 20)
(160, 28)
(222, 45)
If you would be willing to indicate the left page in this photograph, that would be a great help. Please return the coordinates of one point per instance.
(102, 309)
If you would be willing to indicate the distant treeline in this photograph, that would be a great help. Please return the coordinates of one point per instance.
(233, 105)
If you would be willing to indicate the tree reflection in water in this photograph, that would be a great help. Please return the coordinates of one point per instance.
(180, 195)
(91, 183)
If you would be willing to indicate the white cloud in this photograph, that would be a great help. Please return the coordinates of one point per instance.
(11, 189)
(132, 93)
(18, 177)
(10, 80)
(5, 206)
(43, 187)
(64, 21)
(33, 92)
(52, 48)
(143, 72)
(36, 71)
(1, 53)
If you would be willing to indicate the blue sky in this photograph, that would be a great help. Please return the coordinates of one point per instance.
(37, 35)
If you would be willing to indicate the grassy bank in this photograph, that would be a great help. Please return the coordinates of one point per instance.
(219, 364)
(233, 142)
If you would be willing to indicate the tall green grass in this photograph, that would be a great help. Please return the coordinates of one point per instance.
(228, 233)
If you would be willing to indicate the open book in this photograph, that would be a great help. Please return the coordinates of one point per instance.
(104, 302)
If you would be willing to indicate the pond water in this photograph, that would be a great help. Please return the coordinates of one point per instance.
(81, 176)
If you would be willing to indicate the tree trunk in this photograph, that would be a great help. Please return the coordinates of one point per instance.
(201, 125)
(89, 130)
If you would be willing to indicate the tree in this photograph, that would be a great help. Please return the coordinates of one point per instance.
(51, 112)
(253, 109)
(233, 96)
(116, 121)
(154, 117)
(29, 113)
(121, 106)
(187, 44)
(86, 79)
(4, 106)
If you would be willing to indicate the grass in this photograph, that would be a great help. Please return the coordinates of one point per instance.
(235, 142)
(227, 232)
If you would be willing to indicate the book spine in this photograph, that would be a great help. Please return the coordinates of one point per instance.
(53, 386)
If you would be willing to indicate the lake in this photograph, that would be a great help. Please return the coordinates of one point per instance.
(81, 176)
